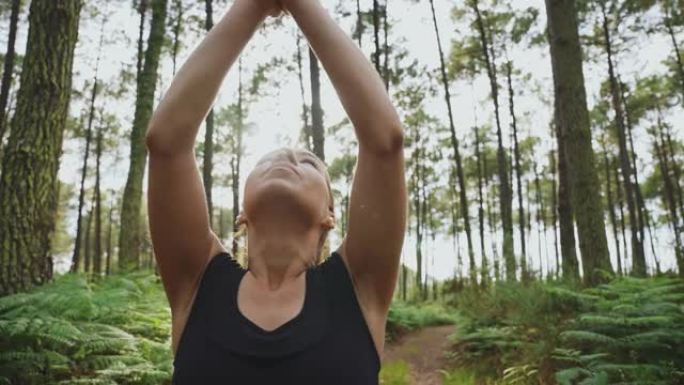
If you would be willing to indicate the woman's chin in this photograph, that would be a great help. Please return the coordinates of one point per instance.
(279, 194)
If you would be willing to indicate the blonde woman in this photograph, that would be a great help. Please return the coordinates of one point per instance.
(286, 319)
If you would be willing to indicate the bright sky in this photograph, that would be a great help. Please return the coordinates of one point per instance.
(276, 116)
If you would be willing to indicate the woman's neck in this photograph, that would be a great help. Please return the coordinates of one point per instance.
(279, 253)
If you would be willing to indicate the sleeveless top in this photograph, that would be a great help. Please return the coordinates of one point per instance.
(327, 342)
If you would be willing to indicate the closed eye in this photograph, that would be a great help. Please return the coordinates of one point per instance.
(311, 162)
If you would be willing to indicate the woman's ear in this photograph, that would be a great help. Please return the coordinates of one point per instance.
(240, 218)
(330, 222)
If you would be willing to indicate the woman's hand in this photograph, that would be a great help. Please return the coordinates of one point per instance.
(273, 8)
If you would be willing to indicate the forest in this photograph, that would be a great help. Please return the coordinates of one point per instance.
(544, 148)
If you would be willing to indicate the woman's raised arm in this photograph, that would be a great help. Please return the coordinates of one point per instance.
(180, 230)
(378, 200)
(176, 120)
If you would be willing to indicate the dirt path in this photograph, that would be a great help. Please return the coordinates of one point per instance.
(423, 351)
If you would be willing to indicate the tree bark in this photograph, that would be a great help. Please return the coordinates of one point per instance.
(317, 131)
(130, 234)
(505, 196)
(669, 195)
(29, 185)
(518, 168)
(675, 45)
(638, 258)
(8, 68)
(611, 211)
(142, 10)
(480, 210)
(236, 160)
(98, 205)
(457, 155)
(208, 159)
(306, 129)
(573, 121)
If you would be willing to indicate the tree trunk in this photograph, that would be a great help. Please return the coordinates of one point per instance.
(130, 234)
(457, 155)
(611, 211)
(385, 28)
(108, 264)
(642, 211)
(359, 23)
(142, 10)
(84, 171)
(29, 186)
(317, 131)
(208, 159)
(98, 204)
(638, 258)
(620, 199)
(178, 23)
(669, 195)
(306, 130)
(87, 269)
(8, 69)
(573, 121)
(677, 172)
(376, 36)
(518, 169)
(480, 210)
(554, 211)
(505, 197)
(678, 56)
(418, 215)
(76, 255)
(490, 215)
(236, 159)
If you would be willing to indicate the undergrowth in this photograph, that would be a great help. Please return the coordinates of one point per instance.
(405, 316)
(629, 331)
(72, 331)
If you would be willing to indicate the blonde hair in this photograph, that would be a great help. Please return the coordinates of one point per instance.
(322, 253)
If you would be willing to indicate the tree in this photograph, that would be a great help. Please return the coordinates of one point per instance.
(208, 159)
(573, 121)
(129, 237)
(8, 68)
(28, 185)
(457, 155)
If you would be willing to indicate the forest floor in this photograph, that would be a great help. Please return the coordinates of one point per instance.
(423, 350)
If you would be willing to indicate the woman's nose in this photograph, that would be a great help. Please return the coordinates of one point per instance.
(291, 155)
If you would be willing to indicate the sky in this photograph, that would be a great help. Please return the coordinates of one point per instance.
(276, 117)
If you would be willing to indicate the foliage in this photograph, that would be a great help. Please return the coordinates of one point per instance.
(114, 331)
(404, 317)
(395, 373)
(627, 331)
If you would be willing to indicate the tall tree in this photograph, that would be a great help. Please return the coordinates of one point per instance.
(75, 257)
(636, 229)
(129, 236)
(28, 185)
(463, 199)
(142, 7)
(317, 131)
(518, 169)
(674, 15)
(305, 135)
(505, 196)
(8, 68)
(573, 121)
(208, 159)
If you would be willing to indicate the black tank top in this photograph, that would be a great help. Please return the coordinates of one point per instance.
(328, 342)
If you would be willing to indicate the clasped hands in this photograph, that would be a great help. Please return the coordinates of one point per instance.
(274, 8)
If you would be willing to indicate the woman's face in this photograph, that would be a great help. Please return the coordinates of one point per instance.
(292, 180)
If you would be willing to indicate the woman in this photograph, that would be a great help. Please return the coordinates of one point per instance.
(285, 319)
